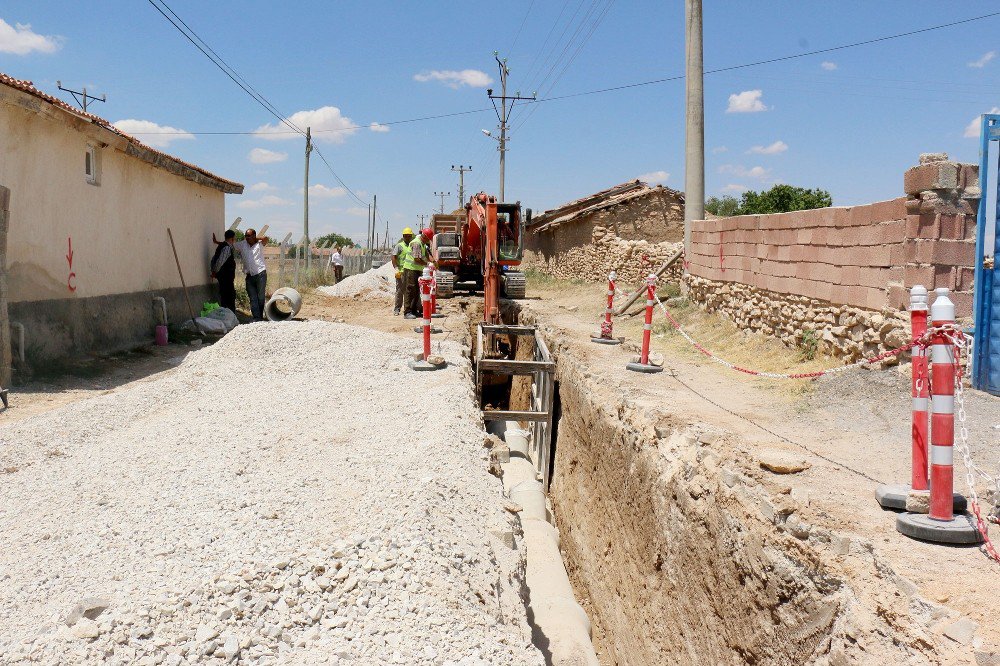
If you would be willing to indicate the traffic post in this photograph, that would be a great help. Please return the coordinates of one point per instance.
(428, 273)
(605, 337)
(423, 360)
(643, 365)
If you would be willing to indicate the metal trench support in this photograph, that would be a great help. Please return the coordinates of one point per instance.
(541, 369)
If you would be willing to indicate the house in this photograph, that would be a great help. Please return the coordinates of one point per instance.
(86, 248)
(587, 237)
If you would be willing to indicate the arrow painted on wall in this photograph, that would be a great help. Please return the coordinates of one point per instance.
(69, 258)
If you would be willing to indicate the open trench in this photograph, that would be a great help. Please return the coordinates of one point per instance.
(678, 554)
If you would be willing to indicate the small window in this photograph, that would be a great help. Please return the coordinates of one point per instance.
(90, 165)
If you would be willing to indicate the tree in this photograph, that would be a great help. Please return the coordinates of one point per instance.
(783, 199)
(342, 241)
(722, 206)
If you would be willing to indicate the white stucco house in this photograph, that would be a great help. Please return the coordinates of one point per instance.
(86, 245)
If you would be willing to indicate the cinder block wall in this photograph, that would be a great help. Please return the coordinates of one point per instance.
(843, 273)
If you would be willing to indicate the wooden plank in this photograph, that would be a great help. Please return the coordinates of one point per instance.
(5, 353)
(642, 290)
(506, 415)
(509, 367)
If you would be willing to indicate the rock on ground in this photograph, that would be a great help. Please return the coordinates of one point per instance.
(292, 494)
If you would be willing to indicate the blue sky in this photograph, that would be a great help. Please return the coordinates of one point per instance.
(850, 121)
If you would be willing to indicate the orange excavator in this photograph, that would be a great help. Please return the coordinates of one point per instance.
(484, 253)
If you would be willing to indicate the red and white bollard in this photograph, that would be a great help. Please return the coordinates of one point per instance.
(644, 365)
(434, 292)
(429, 273)
(606, 337)
(942, 409)
(919, 388)
(941, 524)
(422, 361)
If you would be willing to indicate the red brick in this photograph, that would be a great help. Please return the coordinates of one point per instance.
(944, 276)
(892, 232)
(898, 255)
(920, 178)
(875, 299)
(850, 275)
(898, 297)
(953, 253)
(963, 303)
(893, 209)
(965, 279)
(953, 227)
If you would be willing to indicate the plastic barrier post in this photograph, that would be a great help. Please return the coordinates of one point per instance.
(920, 388)
(942, 409)
(606, 336)
(425, 297)
(434, 292)
(644, 365)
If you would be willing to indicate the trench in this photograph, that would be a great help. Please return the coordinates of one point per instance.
(671, 550)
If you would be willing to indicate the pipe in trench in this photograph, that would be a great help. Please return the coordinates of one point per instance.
(560, 626)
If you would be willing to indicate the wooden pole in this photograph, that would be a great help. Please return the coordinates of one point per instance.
(6, 371)
(658, 272)
(183, 284)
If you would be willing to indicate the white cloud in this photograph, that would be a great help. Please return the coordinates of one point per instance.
(261, 187)
(19, 39)
(747, 101)
(828, 66)
(719, 149)
(654, 177)
(327, 123)
(986, 57)
(321, 191)
(264, 201)
(454, 79)
(773, 149)
(740, 171)
(265, 156)
(733, 187)
(376, 127)
(157, 136)
(972, 129)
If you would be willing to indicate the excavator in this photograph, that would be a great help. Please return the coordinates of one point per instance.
(482, 251)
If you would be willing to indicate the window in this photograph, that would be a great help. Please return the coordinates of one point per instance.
(90, 165)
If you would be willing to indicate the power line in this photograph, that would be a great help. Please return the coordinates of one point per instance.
(518, 34)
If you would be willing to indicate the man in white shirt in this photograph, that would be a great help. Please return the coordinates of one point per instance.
(251, 249)
(337, 260)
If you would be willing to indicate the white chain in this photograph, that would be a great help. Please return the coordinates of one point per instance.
(971, 469)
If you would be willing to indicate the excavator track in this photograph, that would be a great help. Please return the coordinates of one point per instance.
(445, 284)
(515, 284)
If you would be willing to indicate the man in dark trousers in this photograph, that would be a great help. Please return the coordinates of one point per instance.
(224, 270)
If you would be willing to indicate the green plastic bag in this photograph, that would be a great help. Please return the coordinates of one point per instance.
(208, 307)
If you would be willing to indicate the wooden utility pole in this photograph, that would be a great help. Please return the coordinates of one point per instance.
(5, 354)
(694, 167)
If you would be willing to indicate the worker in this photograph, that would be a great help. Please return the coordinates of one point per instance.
(224, 269)
(337, 261)
(251, 249)
(399, 254)
(419, 257)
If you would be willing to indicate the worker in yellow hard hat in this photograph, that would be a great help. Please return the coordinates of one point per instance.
(413, 266)
(400, 254)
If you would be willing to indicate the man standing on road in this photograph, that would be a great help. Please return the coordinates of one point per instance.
(224, 270)
(399, 254)
(251, 249)
(337, 260)
(413, 268)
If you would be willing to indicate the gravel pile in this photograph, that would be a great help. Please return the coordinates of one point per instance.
(377, 283)
(292, 494)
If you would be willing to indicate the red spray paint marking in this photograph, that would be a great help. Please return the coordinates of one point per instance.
(69, 258)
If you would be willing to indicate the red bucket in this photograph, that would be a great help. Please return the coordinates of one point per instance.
(161, 335)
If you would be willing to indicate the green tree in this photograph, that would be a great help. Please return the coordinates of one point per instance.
(722, 206)
(342, 241)
(783, 199)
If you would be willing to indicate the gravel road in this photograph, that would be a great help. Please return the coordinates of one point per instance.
(292, 494)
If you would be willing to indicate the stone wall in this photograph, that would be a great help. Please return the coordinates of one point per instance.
(616, 237)
(842, 275)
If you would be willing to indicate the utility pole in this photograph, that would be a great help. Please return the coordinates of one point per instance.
(503, 111)
(368, 229)
(81, 96)
(305, 202)
(461, 182)
(374, 236)
(421, 220)
(694, 167)
(442, 195)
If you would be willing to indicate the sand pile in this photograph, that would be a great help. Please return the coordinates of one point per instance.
(378, 283)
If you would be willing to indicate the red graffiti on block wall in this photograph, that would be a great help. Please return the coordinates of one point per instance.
(69, 258)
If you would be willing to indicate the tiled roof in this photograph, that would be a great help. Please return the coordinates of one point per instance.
(576, 210)
(29, 88)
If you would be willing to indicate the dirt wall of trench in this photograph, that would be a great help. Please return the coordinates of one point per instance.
(682, 555)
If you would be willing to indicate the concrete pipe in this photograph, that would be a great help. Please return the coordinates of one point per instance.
(285, 303)
(517, 439)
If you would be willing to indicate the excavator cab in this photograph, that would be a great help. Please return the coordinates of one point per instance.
(510, 234)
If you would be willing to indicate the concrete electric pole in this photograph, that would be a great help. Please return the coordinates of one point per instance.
(305, 202)
(422, 218)
(502, 113)
(694, 166)
(442, 195)
(461, 182)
